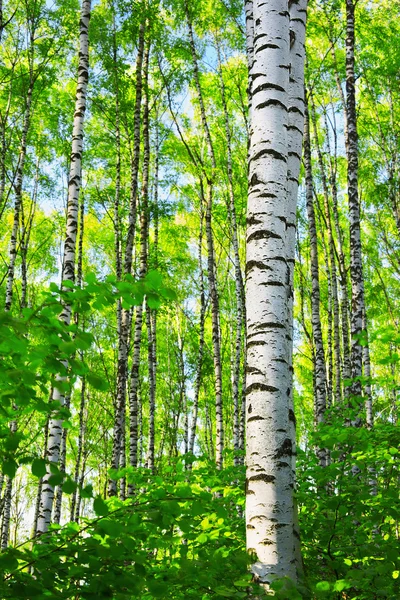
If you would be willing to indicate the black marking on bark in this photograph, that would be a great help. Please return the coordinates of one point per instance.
(256, 264)
(263, 234)
(271, 102)
(270, 325)
(252, 370)
(258, 37)
(269, 152)
(285, 449)
(250, 409)
(253, 221)
(295, 109)
(288, 392)
(255, 180)
(267, 195)
(250, 526)
(292, 417)
(267, 543)
(268, 86)
(281, 464)
(273, 283)
(266, 46)
(256, 343)
(296, 154)
(256, 418)
(260, 387)
(262, 477)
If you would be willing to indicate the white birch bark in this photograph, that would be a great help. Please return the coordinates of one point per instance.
(118, 451)
(274, 161)
(320, 397)
(19, 180)
(331, 262)
(144, 230)
(200, 354)
(356, 267)
(344, 300)
(211, 269)
(239, 287)
(68, 273)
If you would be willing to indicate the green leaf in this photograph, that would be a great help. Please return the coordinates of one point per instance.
(56, 479)
(69, 486)
(9, 467)
(323, 586)
(39, 467)
(87, 491)
(100, 507)
(154, 279)
(97, 382)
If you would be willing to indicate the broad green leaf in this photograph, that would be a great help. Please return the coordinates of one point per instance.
(39, 467)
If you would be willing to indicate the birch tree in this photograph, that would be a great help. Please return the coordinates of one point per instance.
(272, 179)
(68, 272)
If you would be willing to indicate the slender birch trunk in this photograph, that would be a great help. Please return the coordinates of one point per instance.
(344, 300)
(68, 274)
(211, 268)
(332, 261)
(25, 238)
(125, 322)
(152, 387)
(239, 287)
(74, 510)
(19, 178)
(320, 398)
(5, 525)
(144, 231)
(151, 318)
(356, 267)
(18, 206)
(200, 354)
(274, 161)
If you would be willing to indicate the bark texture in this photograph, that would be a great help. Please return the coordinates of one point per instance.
(276, 128)
(68, 272)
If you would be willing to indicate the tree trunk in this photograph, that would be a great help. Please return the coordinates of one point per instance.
(274, 161)
(320, 367)
(239, 287)
(331, 263)
(344, 302)
(144, 232)
(68, 274)
(200, 354)
(125, 323)
(211, 267)
(356, 267)
(74, 512)
(20, 177)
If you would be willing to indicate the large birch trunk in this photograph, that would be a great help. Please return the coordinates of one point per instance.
(274, 161)
(68, 273)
